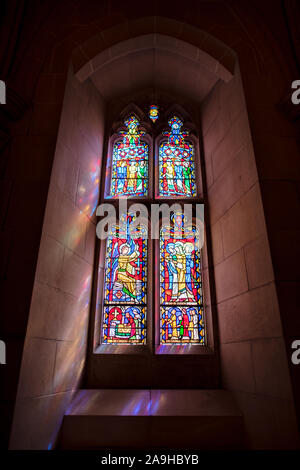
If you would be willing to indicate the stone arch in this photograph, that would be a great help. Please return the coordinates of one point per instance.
(68, 27)
(210, 52)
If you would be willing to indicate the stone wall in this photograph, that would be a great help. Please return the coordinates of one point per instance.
(253, 356)
(55, 345)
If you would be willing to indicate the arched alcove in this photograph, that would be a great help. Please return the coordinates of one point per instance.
(246, 299)
(204, 63)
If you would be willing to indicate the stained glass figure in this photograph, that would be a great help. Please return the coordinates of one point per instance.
(176, 163)
(153, 113)
(124, 324)
(130, 163)
(124, 313)
(181, 303)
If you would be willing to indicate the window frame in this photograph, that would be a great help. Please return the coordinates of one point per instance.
(119, 348)
(194, 140)
(152, 345)
(190, 349)
(114, 139)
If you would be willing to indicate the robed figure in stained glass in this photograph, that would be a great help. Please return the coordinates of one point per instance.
(124, 269)
(176, 163)
(181, 285)
(125, 285)
(130, 163)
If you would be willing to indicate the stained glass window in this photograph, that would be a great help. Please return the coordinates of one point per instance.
(176, 163)
(130, 163)
(124, 309)
(124, 314)
(181, 303)
(153, 113)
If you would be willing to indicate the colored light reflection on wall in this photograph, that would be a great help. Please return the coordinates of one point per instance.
(88, 189)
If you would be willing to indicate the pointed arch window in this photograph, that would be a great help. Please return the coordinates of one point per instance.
(176, 163)
(165, 310)
(125, 290)
(129, 176)
(181, 300)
